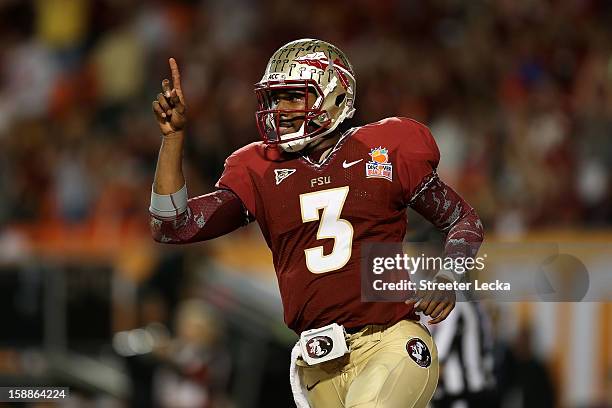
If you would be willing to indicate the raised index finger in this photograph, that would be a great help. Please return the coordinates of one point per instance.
(176, 75)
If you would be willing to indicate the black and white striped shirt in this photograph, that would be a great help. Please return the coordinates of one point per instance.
(465, 352)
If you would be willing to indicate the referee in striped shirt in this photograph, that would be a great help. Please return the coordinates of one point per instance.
(465, 352)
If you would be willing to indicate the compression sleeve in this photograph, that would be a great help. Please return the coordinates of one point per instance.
(205, 217)
(449, 213)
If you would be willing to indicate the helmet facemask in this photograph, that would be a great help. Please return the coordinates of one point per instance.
(268, 116)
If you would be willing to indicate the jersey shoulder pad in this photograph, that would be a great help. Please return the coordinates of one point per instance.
(237, 173)
(256, 156)
(409, 137)
(247, 155)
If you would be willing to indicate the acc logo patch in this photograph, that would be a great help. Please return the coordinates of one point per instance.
(319, 346)
(379, 166)
(418, 351)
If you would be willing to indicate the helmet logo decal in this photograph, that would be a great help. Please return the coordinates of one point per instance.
(281, 174)
(379, 166)
(276, 76)
(338, 68)
(314, 59)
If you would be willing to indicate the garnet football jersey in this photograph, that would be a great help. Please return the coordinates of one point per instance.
(315, 216)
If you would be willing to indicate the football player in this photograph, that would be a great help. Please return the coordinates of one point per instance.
(318, 191)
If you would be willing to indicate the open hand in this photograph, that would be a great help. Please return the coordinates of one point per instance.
(170, 108)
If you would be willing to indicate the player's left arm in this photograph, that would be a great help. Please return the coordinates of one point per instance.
(453, 216)
(417, 157)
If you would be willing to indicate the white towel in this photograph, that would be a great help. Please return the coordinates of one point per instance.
(299, 393)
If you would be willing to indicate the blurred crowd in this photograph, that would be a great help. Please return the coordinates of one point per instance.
(517, 93)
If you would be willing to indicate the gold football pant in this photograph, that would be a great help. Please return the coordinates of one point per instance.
(388, 367)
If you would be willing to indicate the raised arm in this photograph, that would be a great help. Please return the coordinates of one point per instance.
(170, 110)
(174, 218)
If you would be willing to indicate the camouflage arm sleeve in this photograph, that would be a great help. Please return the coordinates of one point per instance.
(449, 213)
(206, 217)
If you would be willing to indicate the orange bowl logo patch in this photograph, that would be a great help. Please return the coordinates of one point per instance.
(379, 166)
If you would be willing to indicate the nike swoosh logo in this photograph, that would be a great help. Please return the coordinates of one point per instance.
(310, 387)
(347, 165)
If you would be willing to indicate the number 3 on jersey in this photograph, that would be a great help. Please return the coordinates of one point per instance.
(331, 226)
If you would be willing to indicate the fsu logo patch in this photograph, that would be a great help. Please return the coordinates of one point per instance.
(319, 346)
(418, 351)
(379, 166)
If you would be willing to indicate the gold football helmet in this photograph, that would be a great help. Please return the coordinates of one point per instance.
(307, 65)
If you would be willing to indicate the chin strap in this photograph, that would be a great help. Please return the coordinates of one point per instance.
(289, 146)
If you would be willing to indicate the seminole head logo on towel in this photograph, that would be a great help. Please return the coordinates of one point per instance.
(319, 346)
